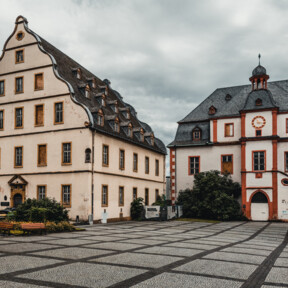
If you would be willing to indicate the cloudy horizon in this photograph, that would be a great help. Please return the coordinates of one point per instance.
(164, 57)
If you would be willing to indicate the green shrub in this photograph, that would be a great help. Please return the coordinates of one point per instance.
(41, 211)
(137, 208)
(59, 227)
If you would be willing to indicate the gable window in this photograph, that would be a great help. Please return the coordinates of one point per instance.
(156, 167)
(228, 97)
(146, 165)
(39, 115)
(122, 160)
(41, 192)
(18, 157)
(2, 87)
(58, 113)
(194, 165)
(196, 134)
(105, 155)
(229, 129)
(258, 132)
(146, 200)
(19, 117)
(88, 155)
(20, 35)
(19, 85)
(19, 56)
(227, 164)
(66, 153)
(134, 195)
(104, 196)
(1, 119)
(212, 110)
(121, 196)
(42, 155)
(259, 160)
(135, 162)
(258, 102)
(39, 82)
(66, 195)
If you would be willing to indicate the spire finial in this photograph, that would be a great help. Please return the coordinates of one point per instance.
(259, 56)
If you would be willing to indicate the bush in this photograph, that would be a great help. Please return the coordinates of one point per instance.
(41, 211)
(160, 201)
(214, 196)
(137, 208)
(59, 227)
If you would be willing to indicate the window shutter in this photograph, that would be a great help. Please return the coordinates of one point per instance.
(39, 115)
(39, 81)
(227, 130)
(42, 155)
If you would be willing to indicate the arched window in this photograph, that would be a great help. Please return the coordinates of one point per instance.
(88, 155)
(258, 102)
(212, 110)
(196, 134)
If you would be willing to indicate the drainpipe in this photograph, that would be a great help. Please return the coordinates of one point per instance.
(92, 180)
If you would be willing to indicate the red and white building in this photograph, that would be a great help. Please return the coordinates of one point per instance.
(241, 130)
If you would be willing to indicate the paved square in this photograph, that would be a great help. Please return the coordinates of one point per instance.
(150, 254)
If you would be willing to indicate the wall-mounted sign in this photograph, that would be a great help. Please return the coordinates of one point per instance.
(5, 203)
(258, 122)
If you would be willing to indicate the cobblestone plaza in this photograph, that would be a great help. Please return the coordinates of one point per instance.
(150, 254)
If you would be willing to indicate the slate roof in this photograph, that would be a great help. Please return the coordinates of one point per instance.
(65, 68)
(241, 98)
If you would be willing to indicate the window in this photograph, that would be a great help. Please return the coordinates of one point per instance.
(156, 167)
(58, 113)
(122, 160)
(2, 87)
(39, 115)
(114, 108)
(212, 110)
(1, 119)
(19, 117)
(126, 114)
(142, 136)
(41, 192)
(286, 122)
(196, 134)
(20, 35)
(19, 56)
(19, 87)
(146, 196)
(258, 102)
(87, 92)
(227, 164)
(42, 155)
(129, 131)
(116, 125)
(259, 161)
(146, 165)
(18, 158)
(105, 155)
(103, 101)
(39, 82)
(229, 130)
(286, 161)
(135, 162)
(258, 132)
(104, 196)
(121, 196)
(100, 118)
(134, 195)
(66, 195)
(66, 153)
(88, 155)
(157, 195)
(194, 165)
(79, 73)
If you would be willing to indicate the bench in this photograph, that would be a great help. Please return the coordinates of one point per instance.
(6, 227)
(29, 227)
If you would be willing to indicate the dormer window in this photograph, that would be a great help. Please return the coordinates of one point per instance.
(94, 84)
(196, 134)
(212, 110)
(116, 126)
(142, 135)
(129, 131)
(87, 92)
(114, 108)
(258, 102)
(228, 97)
(152, 140)
(103, 101)
(126, 114)
(100, 118)
(79, 73)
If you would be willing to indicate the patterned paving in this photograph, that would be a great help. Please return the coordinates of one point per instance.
(150, 254)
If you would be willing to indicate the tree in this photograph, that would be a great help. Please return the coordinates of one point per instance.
(137, 208)
(214, 196)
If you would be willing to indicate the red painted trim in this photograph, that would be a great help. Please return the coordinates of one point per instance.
(286, 125)
(243, 176)
(254, 151)
(222, 172)
(243, 116)
(259, 187)
(275, 177)
(226, 124)
(214, 130)
(189, 164)
(274, 122)
(227, 143)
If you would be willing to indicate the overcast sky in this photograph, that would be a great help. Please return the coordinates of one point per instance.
(163, 56)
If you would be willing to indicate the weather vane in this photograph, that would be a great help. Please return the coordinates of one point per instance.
(259, 56)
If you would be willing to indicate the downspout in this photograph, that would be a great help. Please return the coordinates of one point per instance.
(92, 180)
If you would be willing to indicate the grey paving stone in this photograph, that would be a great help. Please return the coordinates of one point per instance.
(9, 284)
(16, 263)
(29, 239)
(173, 280)
(103, 238)
(218, 268)
(192, 246)
(170, 251)
(88, 274)
(283, 254)
(69, 242)
(278, 275)
(114, 246)
(143, 241)
(265, 286)
(248, 251)
(72, 253)
(282, 262)
(241, 258)
(24, 247)
(257, 247)
(129, 235)
(137, 259)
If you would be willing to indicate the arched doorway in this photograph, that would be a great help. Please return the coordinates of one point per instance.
(17, 199)
(259, 207)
